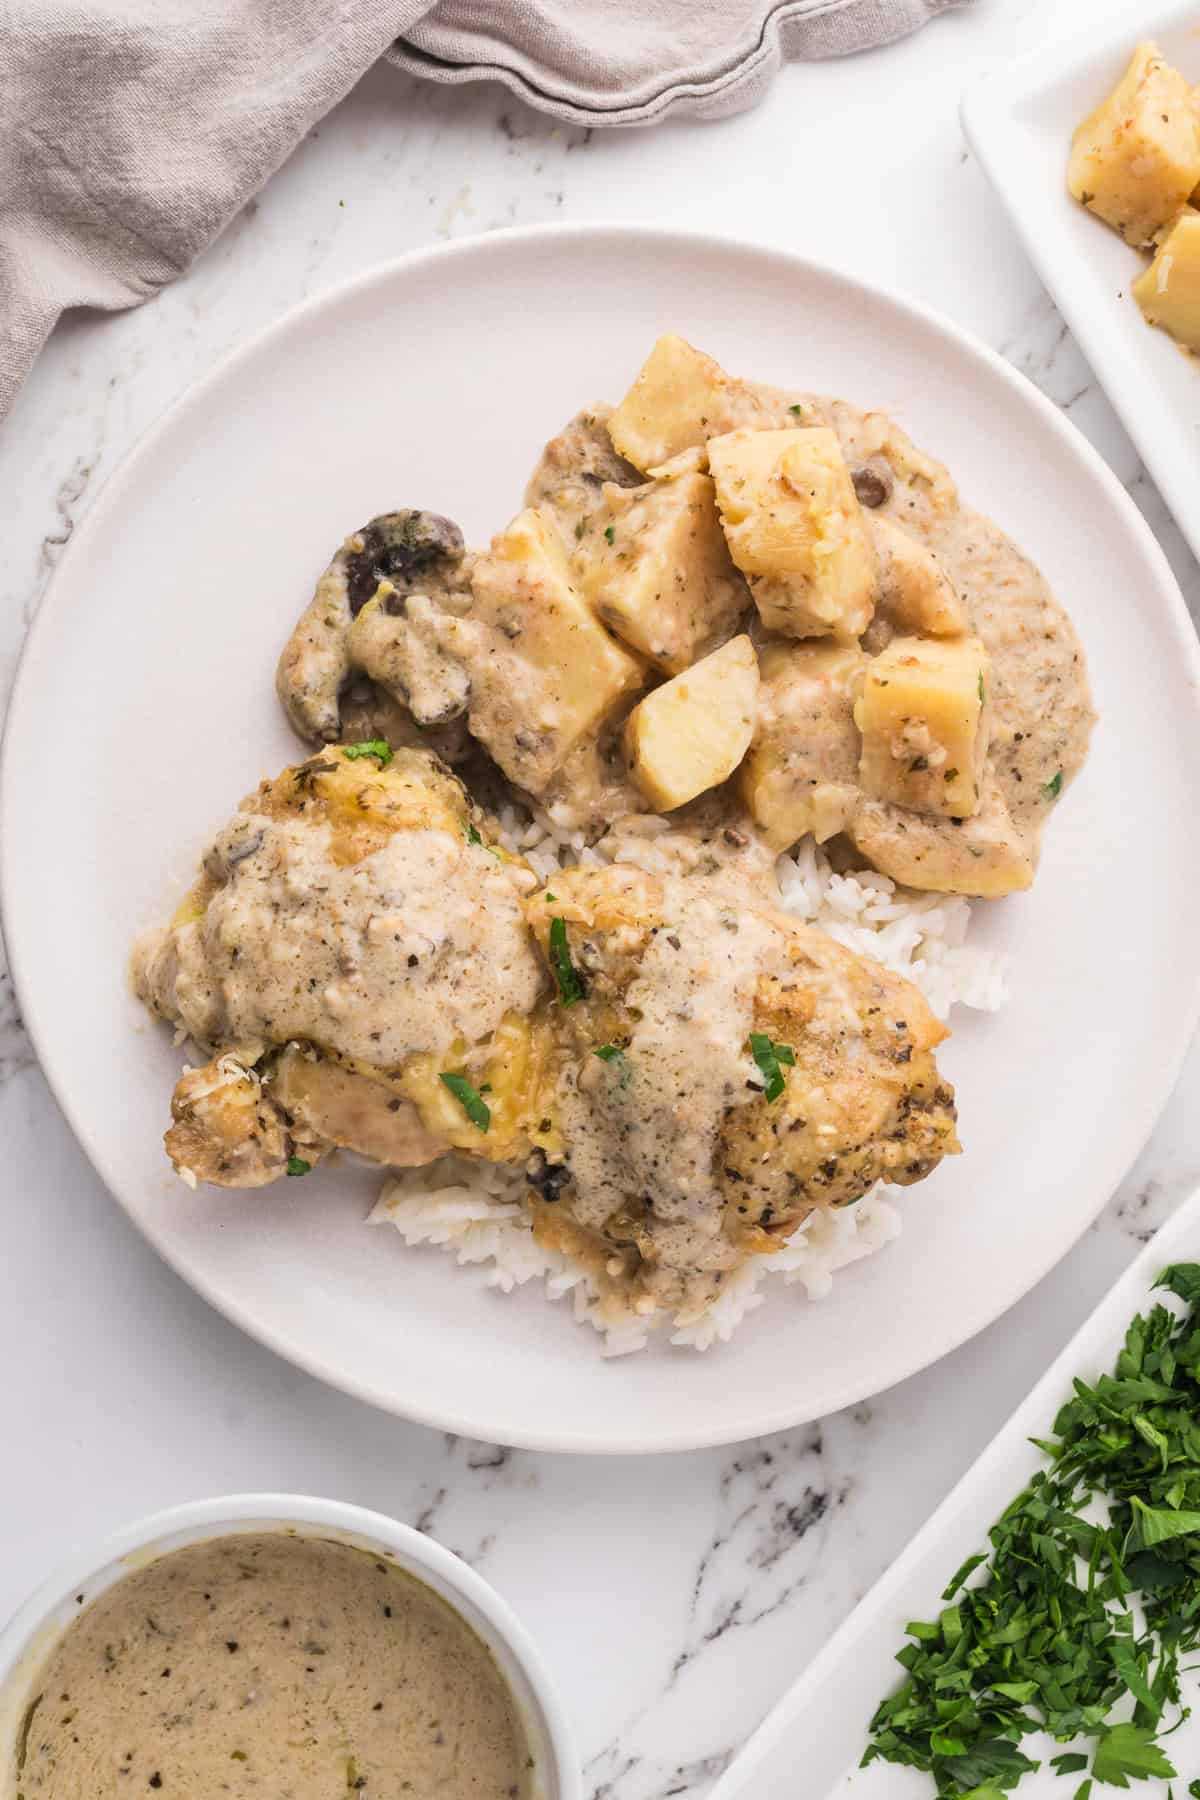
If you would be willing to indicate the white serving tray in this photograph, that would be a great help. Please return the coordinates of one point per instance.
(1019, 122)
(809, 1747)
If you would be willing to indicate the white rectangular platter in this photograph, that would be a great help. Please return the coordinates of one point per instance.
(809, 1747)
(1019, 122)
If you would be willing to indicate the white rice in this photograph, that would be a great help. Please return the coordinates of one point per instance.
(478, 1217)
(474, 1211)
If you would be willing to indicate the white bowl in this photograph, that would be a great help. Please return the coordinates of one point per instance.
(31, 1633)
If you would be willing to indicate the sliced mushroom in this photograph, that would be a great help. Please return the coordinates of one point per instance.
(395, 640)
(411, 550)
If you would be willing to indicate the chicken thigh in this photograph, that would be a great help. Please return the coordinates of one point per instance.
(728, 1071)
(352, 943)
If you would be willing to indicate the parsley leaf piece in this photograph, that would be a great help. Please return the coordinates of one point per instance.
(1127, 1750)
(1155, 1524)
(797, 409)
(1069, 1763)
(469, 1098)
(1053, 788)
(571, 985)
(610, 532)
(613, 1053)
(379, 748)
(296, 1165)
(473, 837)
(960, 1575)
(769, 1056)
(981, 688)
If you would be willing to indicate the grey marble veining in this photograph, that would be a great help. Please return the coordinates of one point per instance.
(675, 1597)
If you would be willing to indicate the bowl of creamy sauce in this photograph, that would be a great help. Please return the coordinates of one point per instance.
(269, 1647)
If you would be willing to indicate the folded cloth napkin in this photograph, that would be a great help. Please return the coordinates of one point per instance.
(132, 131)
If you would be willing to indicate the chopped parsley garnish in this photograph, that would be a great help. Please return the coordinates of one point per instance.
(610, 1053)
(580, 528)
(769, 1056)
(571, 985)
(549, 896)
(981, 687)
(1053, 788)
(296, 1165)
(377, 747)
(950, 775)
(1047, 1639)
(610, 532)
(797, 409)
(473, 837)
(469, 1098)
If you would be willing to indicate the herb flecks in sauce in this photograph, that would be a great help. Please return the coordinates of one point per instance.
(296, 1165)
(469, 1098)
(770, 1056)
(571, 986)
(274, 1719)
(379, 748)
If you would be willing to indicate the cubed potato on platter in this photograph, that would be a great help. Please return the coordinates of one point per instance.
(659, 573)
(1135, 160)
(690, 734)
(680, 398)
(796, 529)
(923, 715)
(984, 856)
(800, 774)
(914, 592)
(544, 672)
(1169, 291)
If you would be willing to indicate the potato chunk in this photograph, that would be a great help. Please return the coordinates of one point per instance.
(680, 398)
(801, 772)
(1135, 160)
(914, 593)
(544, 672)
(984, 856)
(796, 529)
(658, 572)
(1169, 291)
(924, 720)
(692, 732)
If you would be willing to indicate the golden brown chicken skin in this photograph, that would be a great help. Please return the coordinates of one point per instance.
(731, 1070)
(352, 939)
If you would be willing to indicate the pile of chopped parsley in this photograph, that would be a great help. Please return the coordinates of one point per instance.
(1072, 1622)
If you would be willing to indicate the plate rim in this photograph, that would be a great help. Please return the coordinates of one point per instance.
(563, 1439)
(987, 114)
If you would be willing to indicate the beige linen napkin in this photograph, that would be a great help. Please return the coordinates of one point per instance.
(132, 131)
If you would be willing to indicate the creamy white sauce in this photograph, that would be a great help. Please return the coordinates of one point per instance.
(416, 945)
(643, 1127)
(271, 1667)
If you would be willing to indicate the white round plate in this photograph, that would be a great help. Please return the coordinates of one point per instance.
(144, 710)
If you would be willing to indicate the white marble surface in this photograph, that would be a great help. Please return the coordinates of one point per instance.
(677, 1597)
